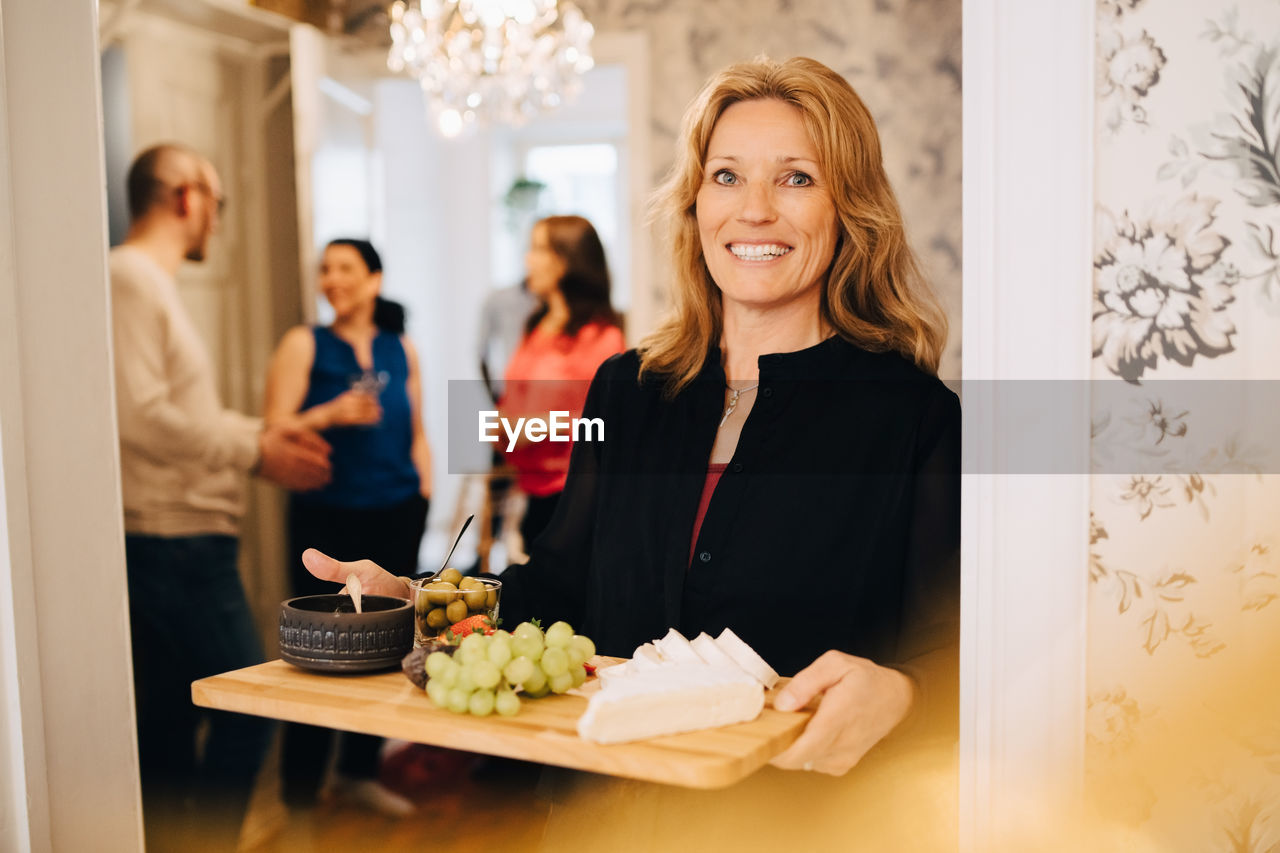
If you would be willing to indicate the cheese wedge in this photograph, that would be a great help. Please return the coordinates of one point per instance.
(746, 657)
(668, 700)
(673, 685)
(711, 653)
(674, 647)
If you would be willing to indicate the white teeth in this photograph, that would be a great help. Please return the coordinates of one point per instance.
(758, 251)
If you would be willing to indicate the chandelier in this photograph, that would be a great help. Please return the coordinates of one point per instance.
(503, 61)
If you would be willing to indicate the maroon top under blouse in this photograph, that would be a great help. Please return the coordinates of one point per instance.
(714, 470)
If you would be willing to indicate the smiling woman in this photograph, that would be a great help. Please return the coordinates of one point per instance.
(356, 381)
(781, 452)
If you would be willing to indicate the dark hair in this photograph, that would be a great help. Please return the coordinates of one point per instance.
(585, 283)
(143, 184)
(387, 315)
(368, 254)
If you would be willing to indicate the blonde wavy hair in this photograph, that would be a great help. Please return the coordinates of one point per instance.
(875, 295)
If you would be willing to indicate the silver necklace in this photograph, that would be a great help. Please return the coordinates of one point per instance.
(733, 400)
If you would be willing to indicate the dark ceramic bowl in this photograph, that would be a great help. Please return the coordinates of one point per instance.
(325, 634)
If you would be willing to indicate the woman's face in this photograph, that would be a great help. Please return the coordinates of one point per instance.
(543, 266)
(765, 214)
(345, 280)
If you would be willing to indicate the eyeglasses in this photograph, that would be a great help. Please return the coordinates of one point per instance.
(219, 200)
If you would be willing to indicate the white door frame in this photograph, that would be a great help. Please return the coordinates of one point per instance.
(1028, 213)
(69, 778)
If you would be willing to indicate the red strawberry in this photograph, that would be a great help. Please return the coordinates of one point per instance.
(470, 625)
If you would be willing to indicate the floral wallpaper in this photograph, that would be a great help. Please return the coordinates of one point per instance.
(903, 57)
(1184, 569)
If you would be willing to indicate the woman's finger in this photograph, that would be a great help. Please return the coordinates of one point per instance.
(811, 681)
(376, 580)
(323, 566)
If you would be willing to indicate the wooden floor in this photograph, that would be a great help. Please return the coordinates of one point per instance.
(464, 803)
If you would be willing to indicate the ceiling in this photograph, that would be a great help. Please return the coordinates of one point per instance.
(366, 19)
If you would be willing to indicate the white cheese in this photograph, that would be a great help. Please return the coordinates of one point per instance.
(674, 647)
(646, 657)
(667, 700)
(746, 657)
(712, 654)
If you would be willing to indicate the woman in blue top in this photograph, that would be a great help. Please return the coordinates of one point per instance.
(357, 383)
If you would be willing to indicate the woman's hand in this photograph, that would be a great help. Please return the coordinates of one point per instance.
(353, 408)
(374, 579)
(860, 703)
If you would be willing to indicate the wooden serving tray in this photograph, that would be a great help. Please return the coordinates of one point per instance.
(544, 731)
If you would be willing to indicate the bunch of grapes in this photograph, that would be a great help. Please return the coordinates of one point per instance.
(487, 672)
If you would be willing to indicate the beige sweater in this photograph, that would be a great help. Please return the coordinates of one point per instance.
(182, 455)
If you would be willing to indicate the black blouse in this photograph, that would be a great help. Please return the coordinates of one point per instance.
(835, 526)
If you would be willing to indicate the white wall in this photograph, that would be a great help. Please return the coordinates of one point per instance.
(436, 255)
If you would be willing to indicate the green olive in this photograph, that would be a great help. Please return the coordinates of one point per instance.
(491, 598)
(453, 576)
(440, 592)
(470, 583)
(475, 599)
(437, 618)
(456, 611)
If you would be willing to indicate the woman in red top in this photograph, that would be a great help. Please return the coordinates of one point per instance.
(567, 337)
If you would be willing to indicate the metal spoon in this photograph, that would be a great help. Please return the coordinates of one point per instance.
(465, 525)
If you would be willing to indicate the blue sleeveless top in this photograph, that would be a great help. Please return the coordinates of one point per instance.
(372, 466)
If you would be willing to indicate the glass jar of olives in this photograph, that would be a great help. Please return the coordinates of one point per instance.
(448, 598)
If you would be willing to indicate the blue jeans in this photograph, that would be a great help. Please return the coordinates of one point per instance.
(190, 619)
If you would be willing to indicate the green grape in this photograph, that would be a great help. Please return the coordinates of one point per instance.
(519, 670)
(527, 645)
(554, 661)
(527, 628)
(466, 678)
(579, 674)
(535, 683)
(560, 683)
(500, 632)
(559, 634)
(473, 641)
(438, 692)
(449, 673)
(499, 651)
(584, 643)
(458, 700)
(541, 691)
(468, 656)
(486, 675)
(506, 703)
(574, 653)
(481, 703)
(436, 664)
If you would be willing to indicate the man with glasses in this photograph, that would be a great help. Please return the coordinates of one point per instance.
(183, 458)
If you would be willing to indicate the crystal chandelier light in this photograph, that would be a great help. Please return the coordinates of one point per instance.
(497, 60)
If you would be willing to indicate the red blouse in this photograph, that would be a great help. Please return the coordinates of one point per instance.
(552, 373)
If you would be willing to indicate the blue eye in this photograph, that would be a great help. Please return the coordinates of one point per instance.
(725, 178)
(799, 179)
